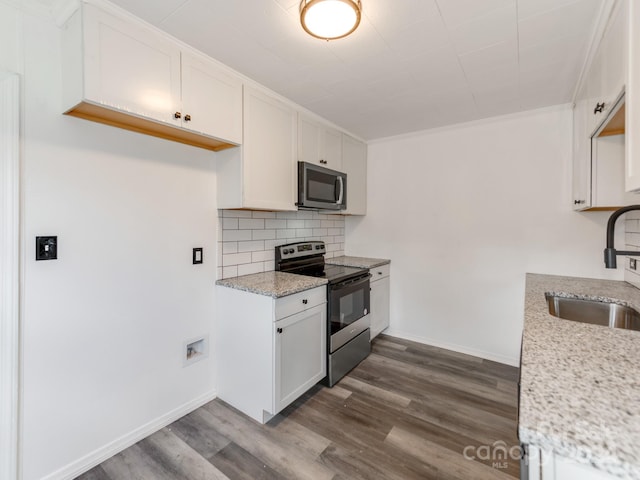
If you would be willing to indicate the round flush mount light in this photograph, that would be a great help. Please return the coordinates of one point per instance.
(330, 19)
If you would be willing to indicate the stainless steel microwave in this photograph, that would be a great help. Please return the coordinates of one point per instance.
(321, 188)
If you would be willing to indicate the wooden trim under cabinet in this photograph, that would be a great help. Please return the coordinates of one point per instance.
(128, 121)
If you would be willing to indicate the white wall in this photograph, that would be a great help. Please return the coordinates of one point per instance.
(103, 326)
(463, 213)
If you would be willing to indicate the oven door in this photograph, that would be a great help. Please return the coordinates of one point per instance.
(320, 187)
(349, 306)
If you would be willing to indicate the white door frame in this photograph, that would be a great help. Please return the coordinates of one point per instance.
(9, 273)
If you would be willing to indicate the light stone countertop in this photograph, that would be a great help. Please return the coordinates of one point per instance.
(358, 262)
(580, 383)
(272, 284)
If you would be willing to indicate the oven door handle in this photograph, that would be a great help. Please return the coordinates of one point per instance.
(352, 283)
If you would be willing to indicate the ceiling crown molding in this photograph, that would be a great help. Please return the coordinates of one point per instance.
(62, 10)
(58, 11)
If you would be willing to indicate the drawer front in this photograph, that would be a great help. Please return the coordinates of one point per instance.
(380, 272)
(298, 302)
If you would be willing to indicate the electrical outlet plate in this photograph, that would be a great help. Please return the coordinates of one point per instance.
(46, 248)
(197, 256)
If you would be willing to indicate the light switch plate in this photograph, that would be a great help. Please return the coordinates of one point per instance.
(46, 248)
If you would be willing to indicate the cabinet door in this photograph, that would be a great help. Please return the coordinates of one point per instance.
(212, 99)
(131, 68)
(309, 140)
(354, 164)
(632, 113)
(614, 51)
(332, 149)
(581, 157)
(563, 468)
(269, 168)
(380, 294)
(595, 110)
(319, 144)
(300, 347)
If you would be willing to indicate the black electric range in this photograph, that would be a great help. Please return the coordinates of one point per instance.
(348, 303)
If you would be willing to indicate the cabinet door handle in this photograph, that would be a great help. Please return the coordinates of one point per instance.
(599, 108)
(379, 273)
(305, 301)
(177, 115)
(187, 118)
(324, 162)
(578, 202)
(279, 330)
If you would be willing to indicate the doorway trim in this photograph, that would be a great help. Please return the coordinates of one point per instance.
(9, 273)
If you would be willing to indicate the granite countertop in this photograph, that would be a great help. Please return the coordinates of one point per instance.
(580, 383)
(273, 284)
(358, 262)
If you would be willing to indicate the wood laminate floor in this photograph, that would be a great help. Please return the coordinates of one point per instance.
(408, 411)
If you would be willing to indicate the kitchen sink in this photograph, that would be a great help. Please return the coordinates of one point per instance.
(608, 314)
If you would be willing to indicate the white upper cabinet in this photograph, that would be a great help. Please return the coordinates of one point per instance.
(581, 155)
(127, 67)
(632, 116)
(261, 174)
(598, 131)
(211, 99)
(121, 72)
(606, 77)
(354, 164)
(319, 143)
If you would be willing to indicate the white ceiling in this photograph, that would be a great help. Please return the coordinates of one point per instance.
(411, 65)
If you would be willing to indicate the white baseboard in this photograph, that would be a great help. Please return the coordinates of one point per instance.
(98, 456)
(514, 362)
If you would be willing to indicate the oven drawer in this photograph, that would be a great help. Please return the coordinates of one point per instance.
(380, 272)
(300, 301)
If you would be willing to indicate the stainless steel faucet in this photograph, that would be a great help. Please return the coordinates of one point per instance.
(610, 253)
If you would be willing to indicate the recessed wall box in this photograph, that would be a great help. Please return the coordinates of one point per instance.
(195, 349)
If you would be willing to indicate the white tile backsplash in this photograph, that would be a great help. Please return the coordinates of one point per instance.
(251, 246)
(632, 241)
(247, 238)
(235, 235)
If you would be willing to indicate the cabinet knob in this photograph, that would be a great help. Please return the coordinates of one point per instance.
(177, 115)
(578, 202)
(305, 301)
(599, 108)
(379, 273)
(187, 118)
(279, 330)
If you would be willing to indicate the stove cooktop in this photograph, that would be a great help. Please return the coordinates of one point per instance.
(307, 258)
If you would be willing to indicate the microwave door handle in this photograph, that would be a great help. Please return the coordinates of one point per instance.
(339, 202)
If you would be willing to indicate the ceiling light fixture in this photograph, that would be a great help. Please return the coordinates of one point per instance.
(330, 19)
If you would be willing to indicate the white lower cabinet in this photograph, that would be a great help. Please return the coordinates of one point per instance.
(380, 299)
(546, 465)
(269, 351)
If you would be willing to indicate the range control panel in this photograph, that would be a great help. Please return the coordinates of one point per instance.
(299, 249)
